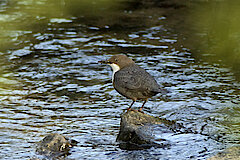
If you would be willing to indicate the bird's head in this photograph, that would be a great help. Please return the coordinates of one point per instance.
(118, 62)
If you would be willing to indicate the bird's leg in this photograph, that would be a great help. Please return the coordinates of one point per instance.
(142, 106)
(129, 108)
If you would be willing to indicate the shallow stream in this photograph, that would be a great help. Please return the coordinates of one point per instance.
(50, 81)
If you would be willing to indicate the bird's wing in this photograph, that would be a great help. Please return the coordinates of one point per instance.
(132, 79)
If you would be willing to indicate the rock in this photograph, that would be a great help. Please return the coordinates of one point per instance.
(136, 131)
(232, 153)
(54, 145)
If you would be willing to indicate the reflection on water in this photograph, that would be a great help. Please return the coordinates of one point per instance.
(50, 81)
(217, 29)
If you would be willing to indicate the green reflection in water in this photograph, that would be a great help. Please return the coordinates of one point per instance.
(217, 25)
(7, 82)
(217, 40)
(19, 17)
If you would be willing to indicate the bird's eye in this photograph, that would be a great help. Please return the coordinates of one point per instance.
(116, 60)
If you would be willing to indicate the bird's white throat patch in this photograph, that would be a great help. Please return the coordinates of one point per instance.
(115, 68)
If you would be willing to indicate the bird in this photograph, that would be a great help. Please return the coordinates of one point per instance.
(132, 81)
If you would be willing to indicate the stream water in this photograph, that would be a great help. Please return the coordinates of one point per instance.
(51, 82)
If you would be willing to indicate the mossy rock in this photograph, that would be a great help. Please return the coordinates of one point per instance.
(54, 145)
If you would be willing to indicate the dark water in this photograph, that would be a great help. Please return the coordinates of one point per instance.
(50, 82)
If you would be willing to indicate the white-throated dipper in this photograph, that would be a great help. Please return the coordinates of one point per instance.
(132, 81)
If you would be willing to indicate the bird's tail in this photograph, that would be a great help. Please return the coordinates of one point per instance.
(162, 91)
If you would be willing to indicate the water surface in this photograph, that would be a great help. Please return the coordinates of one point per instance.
(50, 82)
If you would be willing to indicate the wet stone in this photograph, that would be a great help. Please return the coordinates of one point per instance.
(136, 131)
(230, 153)
(55, 145)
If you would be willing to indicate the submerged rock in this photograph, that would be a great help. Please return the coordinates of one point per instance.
(55, 145)
(136, 131)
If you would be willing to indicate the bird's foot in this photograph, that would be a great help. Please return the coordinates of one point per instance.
(140, 110)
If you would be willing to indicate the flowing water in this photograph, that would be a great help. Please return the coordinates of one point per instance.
(51, 82)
